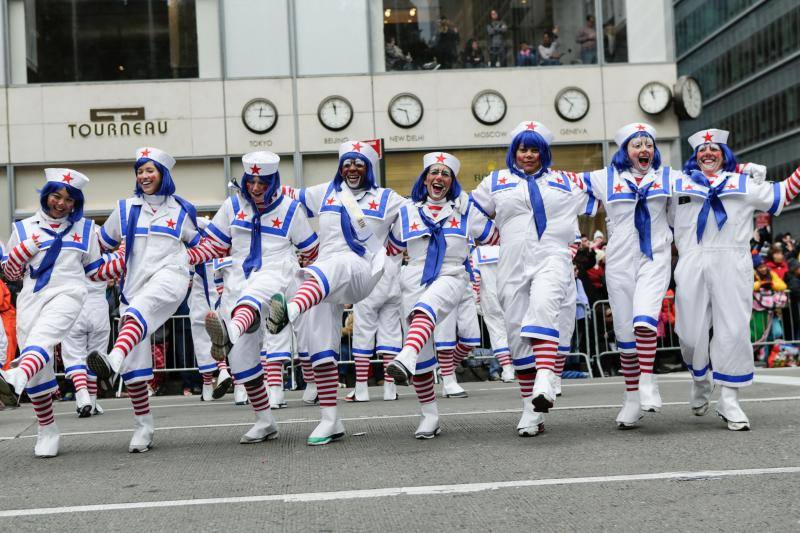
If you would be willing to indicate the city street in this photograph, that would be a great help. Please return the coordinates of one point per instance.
(675, 472)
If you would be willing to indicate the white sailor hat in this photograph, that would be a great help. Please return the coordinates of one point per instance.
(159, 156)
(708, 136)
(362, 148)
(66, 176)
(442, 157)
(629, 129)
(532, 125)
(260, 163)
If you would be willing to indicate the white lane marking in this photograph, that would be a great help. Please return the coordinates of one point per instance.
(436, 490)
(777, 380)
(384, 417)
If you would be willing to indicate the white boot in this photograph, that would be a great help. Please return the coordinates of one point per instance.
(142, 439)
(429, 425)
(240, 395)
(648, 391)
(207, 393)
(265, 428)
(531, 423)
(83, 403)
(96, 409)
(310, 394)
(631, 411)
(557, 384)
(700, 395)
(729, 410)
(105, 366)
(359, 394)
(224, 381)
(329, 428)
(451, 388)
(47, 441)
(544, 390)
(403, 365)
(114, 360)
(276, 397)
(389, 391)
(507, 376)
(16, 380)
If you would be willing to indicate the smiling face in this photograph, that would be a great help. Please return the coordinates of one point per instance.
(438, 181)
(528, 159)
(710, 158)
(60, 204)
(149, 178)
(256, 187)
(641, 151)
(353, 172)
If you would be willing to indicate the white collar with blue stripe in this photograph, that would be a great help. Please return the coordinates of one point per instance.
(619, 190)
(736, 185)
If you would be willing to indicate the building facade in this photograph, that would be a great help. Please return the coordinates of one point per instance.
(86, 82)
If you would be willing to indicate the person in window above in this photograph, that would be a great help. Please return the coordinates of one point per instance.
(53, 251)
(526, 56)
(550, 50)
(496, 31)
(473, 55)
(395, 59)
(446, 48)
(587, 38)
(711, 210)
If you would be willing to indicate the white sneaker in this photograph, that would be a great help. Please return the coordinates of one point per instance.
(359, 394)
(240, 395)
(330, 428)
(276, 397)
(729, 410)
(224, 381)
(429, 425)
(96, 409)
(83, 403)
(531, 423)
(16, 380)
(310, 394)
(265, 428)
(648, 392)
(507, 376)
(207, 393)
(544, 391)
(631, 411)
(403, 365)
(700, 395)
(142, 439)
(451, 388)
(47, 439)
(389, 391)
(557, 385)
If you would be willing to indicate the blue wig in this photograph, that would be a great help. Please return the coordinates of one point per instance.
(76, 194)
(369, 177)
(274, 181)
(622, 162)
(167, 185)
(728, 160)
(420, 192)
(528, 139)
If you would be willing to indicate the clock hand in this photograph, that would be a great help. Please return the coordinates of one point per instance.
(334, 108)
(260, 112)
(406, 112)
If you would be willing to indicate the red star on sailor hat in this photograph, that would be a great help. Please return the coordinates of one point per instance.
(440, 158)
(708, 137)
(145, 153)
(67, 178)
(255, 170)
(356, 147)
(641, 127)
(531, 126)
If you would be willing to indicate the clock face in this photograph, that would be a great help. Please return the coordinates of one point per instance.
(259, 115)
(405, 110)
(335, 113)
(572, 104)
(692, 98)
(489, 107)
(654, 97)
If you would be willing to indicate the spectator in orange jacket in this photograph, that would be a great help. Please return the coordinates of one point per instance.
(9, 316)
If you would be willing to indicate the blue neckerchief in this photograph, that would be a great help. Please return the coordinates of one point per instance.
(712, 201)
(348, 231)
(253, 260)
(537, 203)
(437, 246)
(42, 274)
(130, 239)
(468, 267)
(641, 217)
(200, 270)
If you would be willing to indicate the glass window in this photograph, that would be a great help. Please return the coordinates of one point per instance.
(256, 38)
(102, 40)
(332, 37)
(615, 32)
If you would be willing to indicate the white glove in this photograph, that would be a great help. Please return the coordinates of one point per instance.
(758, 173)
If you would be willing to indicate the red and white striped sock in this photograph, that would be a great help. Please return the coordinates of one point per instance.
(43, 407)
(308, 295)
(208, 378)
(275, 373)
(461, 352)
(525, 379)
(79, 380)
(504, 358)
(31, 362)
(545, 352)
(91, 385)
(137, 392)
(264, 368)
(223, 365)
(445, 358)
(561, 360)
(308, 372)
(629, 364)
(793, 185)
(362, 369)
(129, 336)
(419, 331)
(646, 341)
(387, 358)
(242, 318)
(257, 394)
(327, 379)
(423, 385)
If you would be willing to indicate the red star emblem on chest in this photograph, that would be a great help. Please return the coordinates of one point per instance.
(276, 222)
(76, 237)
(453, 223)
(502, 181)
(440, 158)
(357, 147)
(145, 153)
(689, 187)
(414, 226)
(731, 186)
(656, 186)
(559, 181)
(330, 201)
(240, 215)
(254, 170)
(708, 137)
(35, 237)
(171, 224)
(67, 178)
(373, 205)
(618, 187)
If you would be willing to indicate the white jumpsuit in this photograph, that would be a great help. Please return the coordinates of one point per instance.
(90, 332)
(376, 322)
(485, 259)
(202, 299)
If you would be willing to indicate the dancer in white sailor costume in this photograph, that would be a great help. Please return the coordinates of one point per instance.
(487, 286)
(263, 228)
(434, 231)
(712, 210)
(53, 251)
(535, 210)
(156, 226)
